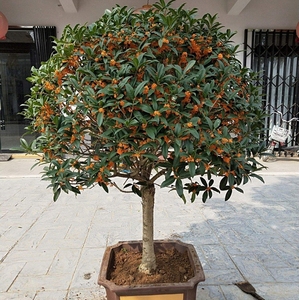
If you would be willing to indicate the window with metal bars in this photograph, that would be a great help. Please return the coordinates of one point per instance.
(274, 54)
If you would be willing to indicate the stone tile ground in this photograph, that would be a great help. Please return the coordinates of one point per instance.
(53, 250)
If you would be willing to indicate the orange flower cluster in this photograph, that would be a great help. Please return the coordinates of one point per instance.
(200, 47)
(183, 59)
(46, 112)
(187, 97)
(49, 86)
(159, 50)
(61, 74)
(122, 148)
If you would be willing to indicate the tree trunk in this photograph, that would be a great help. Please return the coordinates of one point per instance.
(148, 263)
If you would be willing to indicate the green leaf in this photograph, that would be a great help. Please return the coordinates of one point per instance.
(245, 179)
(239, 190)
(193, 197)
(178, 129)
(202, 168)
(104, 186)
(146, 108)
(178, 69)
(127, 185)
(151, 156)
(24, 144)
(190, 64)
(139, 88)
(223, 183)
(206, 90)
(183, 198)
(210, 123)
(136, 190)
(204, 196)
(130, 91)
(201, 73)
(225, 131)
(217, 123)
(257, 176)
(231, 179)
(100, 118)
(204, 182)
(168, 181)
(165, 150)
(192, 169)
(194, 132)
(56, 194)
(179, 187)
(160, 42)
(151, 132)
(228, 194)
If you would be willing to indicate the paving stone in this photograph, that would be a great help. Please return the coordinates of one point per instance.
(222, 276)
(18, 296)
(30, 255)
(217, 257)
(6, 244)
(49, 282)
(36, 268)
(31, 239)
(281, 291)
(90, 262)
(53, 250)
(287, 275)
(47, 295)
(9, 272)
(90, 294)
(232, 292)
(252, 269)
(65, 261)
(209, 293)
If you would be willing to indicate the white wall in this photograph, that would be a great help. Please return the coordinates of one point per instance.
(258, 14)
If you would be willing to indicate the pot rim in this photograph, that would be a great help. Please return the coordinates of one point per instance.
(197, 268)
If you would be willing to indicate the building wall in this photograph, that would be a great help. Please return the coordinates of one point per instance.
(258, 14)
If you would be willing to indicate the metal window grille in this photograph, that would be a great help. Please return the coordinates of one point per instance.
(43, 36)
(274, 54)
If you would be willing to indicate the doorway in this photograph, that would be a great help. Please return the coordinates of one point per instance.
(23, 48)
(14, 88)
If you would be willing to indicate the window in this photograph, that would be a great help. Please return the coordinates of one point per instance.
(274, 54)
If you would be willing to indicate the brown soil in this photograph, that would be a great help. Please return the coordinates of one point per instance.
(172, 266)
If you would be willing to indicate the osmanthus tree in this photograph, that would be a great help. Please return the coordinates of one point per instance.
(157, 98)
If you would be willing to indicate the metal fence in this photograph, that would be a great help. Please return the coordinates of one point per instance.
(274, 54)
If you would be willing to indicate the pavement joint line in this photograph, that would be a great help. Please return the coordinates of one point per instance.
(13, 281)
(80, 254)
(14, 245)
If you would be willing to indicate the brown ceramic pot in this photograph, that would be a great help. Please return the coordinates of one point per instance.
(166, 291)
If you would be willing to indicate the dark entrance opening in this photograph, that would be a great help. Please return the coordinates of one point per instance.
(23, 48)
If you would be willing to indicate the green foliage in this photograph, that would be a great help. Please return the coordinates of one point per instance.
(150, 96)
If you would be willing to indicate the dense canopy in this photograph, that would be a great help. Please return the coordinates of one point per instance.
(145, 96)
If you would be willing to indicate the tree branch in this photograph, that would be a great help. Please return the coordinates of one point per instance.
(120, 189)
(159, 174)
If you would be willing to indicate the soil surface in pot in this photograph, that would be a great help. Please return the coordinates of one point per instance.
(172, 267)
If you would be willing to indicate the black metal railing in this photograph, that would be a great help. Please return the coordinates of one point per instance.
(43, 36)
(274, 54)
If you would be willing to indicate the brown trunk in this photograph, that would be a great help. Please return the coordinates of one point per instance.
(148, 254)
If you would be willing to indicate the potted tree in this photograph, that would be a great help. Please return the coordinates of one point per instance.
(158, 99)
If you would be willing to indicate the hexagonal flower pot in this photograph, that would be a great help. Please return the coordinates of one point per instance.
(165, 291)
